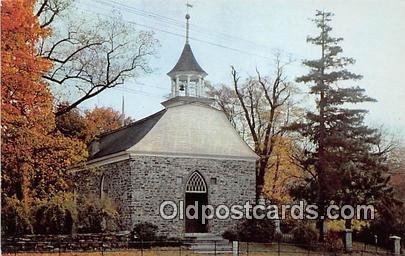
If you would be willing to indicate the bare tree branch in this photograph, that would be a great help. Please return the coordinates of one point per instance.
(265, 107)
(88, 59)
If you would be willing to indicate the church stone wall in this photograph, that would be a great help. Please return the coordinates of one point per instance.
(159, 178)
(141, 184)
(117, 185)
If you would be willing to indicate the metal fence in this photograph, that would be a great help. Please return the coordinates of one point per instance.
(176, 248)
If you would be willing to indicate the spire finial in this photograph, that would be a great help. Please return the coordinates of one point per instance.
(187, 21)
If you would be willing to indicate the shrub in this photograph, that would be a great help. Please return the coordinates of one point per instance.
(287, 225)
(339, 225)
(383, 230)
(145, 231)
(16, 216)
(56, 215)
(97, 215)
(164, 241)
(305, 235)
(253, 230)
(231, 235)
(279, 237)
(333, 241)
(389, 221)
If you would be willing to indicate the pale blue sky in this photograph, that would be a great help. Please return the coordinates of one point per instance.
(374, 33)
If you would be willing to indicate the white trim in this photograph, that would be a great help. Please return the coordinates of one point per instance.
(116, 157)
(124, 155)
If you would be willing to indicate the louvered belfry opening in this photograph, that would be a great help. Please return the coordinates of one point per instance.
(196, 184)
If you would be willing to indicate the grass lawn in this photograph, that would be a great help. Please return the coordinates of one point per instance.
(252, 249)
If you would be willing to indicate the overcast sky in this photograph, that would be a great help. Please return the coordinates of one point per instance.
(246, 34)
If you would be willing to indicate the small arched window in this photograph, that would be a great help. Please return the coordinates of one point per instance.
(196, 184)
(103, 187)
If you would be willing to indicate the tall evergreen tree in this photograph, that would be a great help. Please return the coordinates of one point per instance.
(344, 161)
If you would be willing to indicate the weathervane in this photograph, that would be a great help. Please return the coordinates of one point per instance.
(188, 6)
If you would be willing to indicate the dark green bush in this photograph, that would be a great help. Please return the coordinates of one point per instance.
(334, 241)
(287, 225)
(16, 216)
(389, 221)
(145, 231)
(97, 215)
(305, 235)
(383, 230)
(231, 235)
(164, 241)
(253, 230)
(56, 215)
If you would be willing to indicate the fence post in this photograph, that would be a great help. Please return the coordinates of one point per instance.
(348, 240)
(247, 248)
(277, 226)
(215, 247)
(278, 247)
(364, 249)
(376, 242)
(235, 248)
(141, 247)
(102, 246)
(397, 245)
(180, 249)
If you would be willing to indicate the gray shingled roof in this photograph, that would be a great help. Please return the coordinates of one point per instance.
(127, 136)
(187, 62)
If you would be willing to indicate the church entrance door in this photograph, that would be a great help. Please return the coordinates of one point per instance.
(196, 195)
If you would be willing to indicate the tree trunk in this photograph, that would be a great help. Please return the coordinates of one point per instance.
(261, 166)
(321, 166)
(322, 229)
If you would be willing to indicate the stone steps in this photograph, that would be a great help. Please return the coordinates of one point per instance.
(208, 243)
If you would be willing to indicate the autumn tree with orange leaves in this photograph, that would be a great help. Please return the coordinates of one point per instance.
(34, 156)
(102, 119)
(91, 123)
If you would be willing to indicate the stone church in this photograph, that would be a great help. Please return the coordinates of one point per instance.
(188, 151)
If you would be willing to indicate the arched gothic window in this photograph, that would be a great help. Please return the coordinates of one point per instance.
(196, 184)
(103, 187)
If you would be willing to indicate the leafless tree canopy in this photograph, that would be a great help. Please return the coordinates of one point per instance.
(259, 108)
(91, 56)
(48, 10)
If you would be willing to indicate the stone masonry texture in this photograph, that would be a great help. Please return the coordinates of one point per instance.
(140, 184)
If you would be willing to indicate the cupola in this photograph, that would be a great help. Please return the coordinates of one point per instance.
(187, 76)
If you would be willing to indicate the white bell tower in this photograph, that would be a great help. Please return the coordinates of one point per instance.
(187, 77)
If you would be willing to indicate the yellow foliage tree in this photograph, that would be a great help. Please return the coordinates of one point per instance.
(282, 172)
